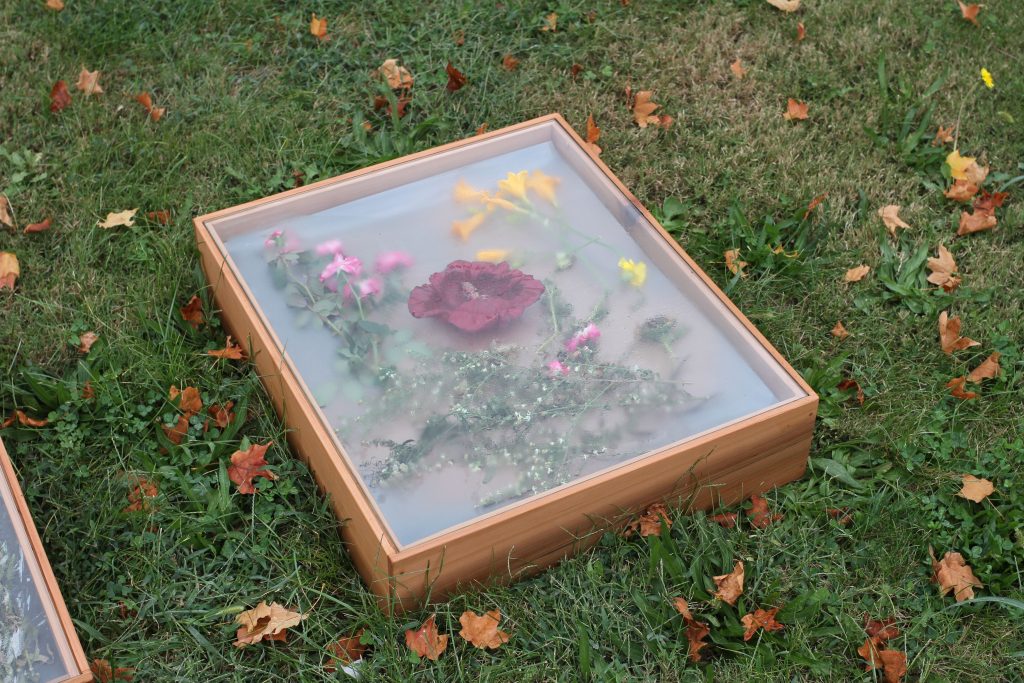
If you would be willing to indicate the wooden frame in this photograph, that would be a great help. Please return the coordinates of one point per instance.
(721, 466)
(42, 576)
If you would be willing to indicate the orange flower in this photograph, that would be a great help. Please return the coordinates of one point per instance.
(463, 229)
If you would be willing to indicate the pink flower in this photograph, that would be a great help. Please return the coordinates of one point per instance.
(369, 286)
(556, 369)
(343, 264)
(390, 260)
(329, 248)
(588, 333)
(274, 240)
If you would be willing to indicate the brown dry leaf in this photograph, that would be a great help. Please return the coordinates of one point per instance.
(943, 135)
(397, 77)
(85, 342)
(176, 432)
(683, 607)
(318, 28)
(550, 23)
(944, 271)
(869, 651)
(163, 216)
(9, 270)
(814, 204)
(59, 96)
(737, 69)
(890, 215)
(894, 665)
(949, 334)
(785, 5)
(975, 174)
(990, 201)
(764, 619)
(839, 332)
(187, 400)
(956, 387)
(481, 129)
(841, 515)
(696, 631)
(975, 489)
(976, 222)
(426, 641)
(482, 630)
(733, 263)
(730, 586)
(265, 622)
(882, 630)
(954, 575)
(795, 110)
(726, 520)
(55, 5)
(593, 135)
(852, 385)
(155, 113)
(89, 82)
(24, 420)
(649, 523)
(345, 650)
(192, 312)
(759, 515)
(961, 191)
(88, 393)
(456, 79)
(5, 211)
(801, 31)
(856, 274)
(41, 226)
(221, 414)
(246, 465)
(575, 70)
(138, 497)
(509, 63)
(989, 369)
(643, 109)
(969, 12)
(124, 218)
(101, 668)
(231, 351)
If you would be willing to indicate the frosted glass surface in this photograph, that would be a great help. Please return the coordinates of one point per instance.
(444, 422)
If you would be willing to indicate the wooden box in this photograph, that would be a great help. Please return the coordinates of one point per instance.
(489, 352)
(38, 642)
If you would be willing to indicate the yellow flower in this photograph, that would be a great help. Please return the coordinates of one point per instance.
(958, 165)
(514, 184)
(492, 255)
(500, 201)
(635, 273)
(987, 77)
(463, 229)
(464, 193)
(544, 185)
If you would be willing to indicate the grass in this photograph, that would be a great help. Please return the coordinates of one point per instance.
(251, 97)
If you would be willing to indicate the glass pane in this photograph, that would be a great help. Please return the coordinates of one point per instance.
(491, 322)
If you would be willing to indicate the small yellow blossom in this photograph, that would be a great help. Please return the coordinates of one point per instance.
(635, 273)
(501, 202)
(544, 185)
(466, 193)
(987, 77)
(492, 255)
(514, 184)
(463, 229)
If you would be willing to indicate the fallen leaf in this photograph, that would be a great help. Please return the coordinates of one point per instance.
(958, 165)
(943, 135)
(85, 342)
(954, 576)
(870, 652)
(41, 226)
(318, 28)
(814, 204)
(59, 96)
(24, 420)
(187, 400)
(456, 79)
(245, 466)
(426, 641)
(852, 385)
(482, 128)
(683, 607)
(101, 668)
(696, 631)
(759, 515)
(785, 5)
(956, 388)
(89, 82)
(890, 215)
(482, 630)
(943, 269)
(975, 174)
(124, 218)
(221, 414)
(162, 216)
(841, 515)
(726, 520)
(265, 622)
(88, 393)
(550, 22)
(839, 331)
(961, 191)
(509, 63)
(857, 274)
(894, 665)
(737, 69)
(976, 222)
(989, 369)
(949, 334)
(176, 432)
(192, 312)
(575, 70)
(345, 650)
(231, 351)
(643, 109)
(763, 619)
(9, 270)
(801, 31)
(990, 201)
(397, 77)
(593, 135)
(5, 211)
(649, 523)
(969, 12)
(795, 110)
(730, 586)
(55, 5)
(459, 38)
(155, 113)
(975, 489)
(665, 121)
(881, 630)
(733, 263)
(138, 497)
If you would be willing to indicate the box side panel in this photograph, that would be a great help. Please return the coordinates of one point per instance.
(726, 467)
(368, 545)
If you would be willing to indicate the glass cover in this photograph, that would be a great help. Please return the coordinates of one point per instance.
(486, 323)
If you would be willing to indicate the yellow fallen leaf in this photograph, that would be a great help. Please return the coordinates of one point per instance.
(958, 165)
(124, 218)
(265, 622)
(318, 27)
(733, 263)
(9, 270)
(643, 109)
(857, 274)
(975, 489)
(397, 77)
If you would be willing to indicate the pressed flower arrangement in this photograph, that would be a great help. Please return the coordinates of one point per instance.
(490, 350)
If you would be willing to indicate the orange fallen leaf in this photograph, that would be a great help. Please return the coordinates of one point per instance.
(737, 69)
(482, 630)
(760, 619)
(101, 668)
(841, 515)
(989, 369)
(683, 607)
(575, 70)
(785, 5)
(187, 400)
(456, 79)
(961, 191)
(990, 201)
(85, 342)
(726, 520)
(59, 96)
(881, 629)
(482, 128)
(814, 204)
(870, 652)
(163, 216)
(954, 575)
(956, 388)
(976, 222)
(192, 312)
(894, 665)
(397, 77)
(89, 82)
(839, 332)
(857, 273)
(969, 12)
(852, 385)
(41, 226)
(509, 63)
(265, 622)
(733, 263)
(345, 650)
(949, 334)
(318, 28)
(88, 393)
(138, 497)
(550, 23)
(643, 109)
(176, 432)
(24, 420)
(649, 523)
(975, 489)
(795, 110)
(944, 271)
(801, 31)
(55, 5)
(5, 211)
(890, 215)
(696, 631)
(231, 351)
(118, 219)
(759, 515)
(593, 135)
(221, 414)
(730, 586)
(426, 641)
(943, 135)
(246, 465)
(155, 113)
(9, 270)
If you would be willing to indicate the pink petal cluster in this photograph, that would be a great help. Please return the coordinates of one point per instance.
(349, 265)
(371, 286)
(274, 240)
(588, 333)
(389, 260)
(557, 369)
(329, 248)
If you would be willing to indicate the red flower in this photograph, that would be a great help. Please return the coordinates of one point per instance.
(475, 296)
